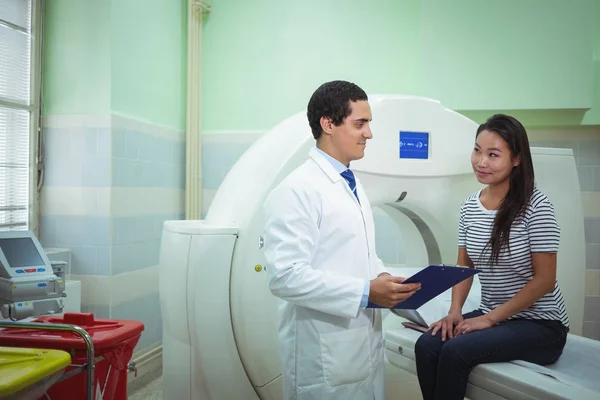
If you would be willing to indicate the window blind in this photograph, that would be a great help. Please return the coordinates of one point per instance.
(15, 109)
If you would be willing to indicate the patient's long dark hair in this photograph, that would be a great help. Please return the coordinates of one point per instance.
(522, 181)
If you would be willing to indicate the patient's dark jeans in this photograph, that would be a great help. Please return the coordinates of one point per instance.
(443, 367)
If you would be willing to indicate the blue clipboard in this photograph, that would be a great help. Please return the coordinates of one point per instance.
(435, 280)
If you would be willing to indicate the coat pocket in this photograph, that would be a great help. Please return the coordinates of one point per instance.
(346, 356)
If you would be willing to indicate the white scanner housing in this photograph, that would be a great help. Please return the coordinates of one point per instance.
(219, 317)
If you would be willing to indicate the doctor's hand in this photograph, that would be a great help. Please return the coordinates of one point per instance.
(387, 291)
(447, 324)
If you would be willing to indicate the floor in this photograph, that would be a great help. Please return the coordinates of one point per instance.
(151, 391)
(397, 381)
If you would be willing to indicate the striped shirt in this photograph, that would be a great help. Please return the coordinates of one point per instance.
(535, 232)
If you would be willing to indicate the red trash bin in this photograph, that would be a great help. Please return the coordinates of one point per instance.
(113, 339)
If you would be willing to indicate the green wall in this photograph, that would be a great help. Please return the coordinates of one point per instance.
(597, 34)
(76, 57)
(148, 60)
(513, 54)
(262, 59)
(592, 117)
(120, 56)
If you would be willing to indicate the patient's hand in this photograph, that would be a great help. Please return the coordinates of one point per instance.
(473, 324)
(447, 325)
(387, 291)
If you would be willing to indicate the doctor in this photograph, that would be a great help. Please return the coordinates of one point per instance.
(321, 260)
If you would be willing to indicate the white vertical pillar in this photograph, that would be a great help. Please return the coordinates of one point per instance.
(193, 180)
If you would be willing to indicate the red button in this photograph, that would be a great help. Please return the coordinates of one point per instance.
(30, 270)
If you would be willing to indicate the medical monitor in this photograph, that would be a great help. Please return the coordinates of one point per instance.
(21, 254)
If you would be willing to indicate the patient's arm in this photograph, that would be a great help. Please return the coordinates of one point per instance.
(459, 296)
(461, 290)
(543, 281)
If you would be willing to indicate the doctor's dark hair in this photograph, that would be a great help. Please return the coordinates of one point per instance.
(522, 180)
(332, 100)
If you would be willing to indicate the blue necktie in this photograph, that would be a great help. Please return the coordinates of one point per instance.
(349, 177)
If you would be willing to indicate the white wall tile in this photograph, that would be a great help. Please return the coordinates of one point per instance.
(122, 122)
(116, 289)
(92, 201)
(590, 202)
(592, 282)
(129, 201)
(76, 121)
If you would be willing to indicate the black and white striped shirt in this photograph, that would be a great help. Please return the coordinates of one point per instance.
(536, 232)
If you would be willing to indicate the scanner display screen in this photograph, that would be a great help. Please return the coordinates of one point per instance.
(21, 252)
(414, 145)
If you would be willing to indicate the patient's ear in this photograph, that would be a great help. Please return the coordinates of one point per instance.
(516, 161)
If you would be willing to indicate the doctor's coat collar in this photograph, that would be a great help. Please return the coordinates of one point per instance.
(338, 166)
(326, 166)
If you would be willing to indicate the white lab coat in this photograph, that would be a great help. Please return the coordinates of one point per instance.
(320, 250)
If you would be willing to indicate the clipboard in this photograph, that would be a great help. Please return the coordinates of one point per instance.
(435, 280)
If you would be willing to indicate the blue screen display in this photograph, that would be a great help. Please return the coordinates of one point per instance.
(414, 145)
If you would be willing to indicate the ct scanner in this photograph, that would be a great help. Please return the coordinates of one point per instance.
(220, 319)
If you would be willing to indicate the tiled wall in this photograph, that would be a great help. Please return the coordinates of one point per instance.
(585, 143)
(220, 150)
(110, 182)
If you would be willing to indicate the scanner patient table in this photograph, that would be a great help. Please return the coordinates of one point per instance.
(575, 376)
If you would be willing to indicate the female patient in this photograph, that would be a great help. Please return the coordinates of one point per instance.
(509, 231)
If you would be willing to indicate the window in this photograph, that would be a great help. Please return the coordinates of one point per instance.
(19, 112)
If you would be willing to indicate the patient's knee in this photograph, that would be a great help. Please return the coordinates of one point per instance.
(427, 344)
(454, 351)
